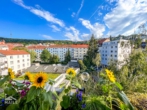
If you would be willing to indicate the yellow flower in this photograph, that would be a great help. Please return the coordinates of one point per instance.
(71, 72)
(40, 79)
(10, 70)
(11, 73)
(110, 75)
(28, 76)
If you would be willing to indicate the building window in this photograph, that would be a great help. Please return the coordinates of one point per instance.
(105, 58)
(111, 46)
(18, 66)
(111, 55)
(105, 55)
(11, 57)
(11, 62)
(12, 67)
(115, 46)
(23, 65)
(18, 61)
(115, 55)
(111, 51)
(23, 60)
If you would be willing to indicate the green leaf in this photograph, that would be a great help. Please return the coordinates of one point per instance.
(51, 82)
(65, 102)
(2, 81)
(105, 89)
(10, 91)
(55, 95)
(76, 83)
(46, 101)
(124, 98)
(13, 107)
(31, 94)
(118, 85)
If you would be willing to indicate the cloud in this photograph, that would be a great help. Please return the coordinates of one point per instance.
(47, 37)
(73, 14)
(41, 13)
(85, 36)
(72, 34)
(81, 6)
(96, 29)
(126, 16)
(111, 1)
(55, 28)
(99, 13)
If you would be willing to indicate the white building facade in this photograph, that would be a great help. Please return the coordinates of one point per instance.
(76, 51)
(17, 60)
(38, 49)
(117, 50)
(3, 65)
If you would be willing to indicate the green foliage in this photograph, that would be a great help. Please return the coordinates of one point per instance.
(33, 55)
(96, 60)
(54, 59)
(33, 41)
(132, 76)
(138, 42)
(45, 55)
(67, 57)
(124, 98)
(96, 103)
(91, 53)
(82, 66)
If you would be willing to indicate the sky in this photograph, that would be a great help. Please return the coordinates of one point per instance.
(74, 20)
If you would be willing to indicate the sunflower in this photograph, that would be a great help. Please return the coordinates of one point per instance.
(40, 79)
(11, 73)
(71, 72)
(110, 75)
(28, 76)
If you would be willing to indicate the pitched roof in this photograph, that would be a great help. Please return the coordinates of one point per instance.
(37, 47)
(102, 40)
(13, 52)
(69, 46)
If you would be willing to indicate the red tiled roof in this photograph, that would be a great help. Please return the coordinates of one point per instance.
(80, 46)
(13, 52)
(102, 40)
(36, 47)
(69, 46)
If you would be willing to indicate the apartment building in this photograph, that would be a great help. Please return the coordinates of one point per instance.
(3, 46)
(3, 65)
(76, 51)
(18, 60)
(117, 50)
(38, 49)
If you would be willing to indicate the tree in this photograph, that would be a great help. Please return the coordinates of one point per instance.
(97, 60)
(45, 55)
(110, 38)
(54, 59)
(67, 56)
(138, 42)
(82, 66)
(33, 55)
(92, 51)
